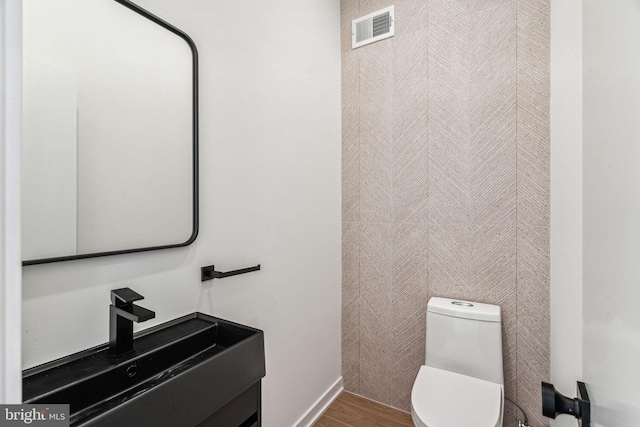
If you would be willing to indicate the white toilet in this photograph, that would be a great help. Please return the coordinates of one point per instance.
(461, 383)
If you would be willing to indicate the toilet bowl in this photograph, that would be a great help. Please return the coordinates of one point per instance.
(444, 398)
(461, 383)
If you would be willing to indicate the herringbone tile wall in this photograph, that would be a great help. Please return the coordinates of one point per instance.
(445, 187)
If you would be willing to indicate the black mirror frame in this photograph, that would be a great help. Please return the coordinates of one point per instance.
(194, 233)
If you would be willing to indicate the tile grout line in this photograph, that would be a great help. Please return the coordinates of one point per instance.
(517, 145)
(359, 152)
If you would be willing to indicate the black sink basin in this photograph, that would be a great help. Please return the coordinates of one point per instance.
(183, 370)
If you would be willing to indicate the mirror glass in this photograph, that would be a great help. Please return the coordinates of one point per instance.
(109, 157)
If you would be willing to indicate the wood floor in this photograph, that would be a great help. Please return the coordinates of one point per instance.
(349, 410)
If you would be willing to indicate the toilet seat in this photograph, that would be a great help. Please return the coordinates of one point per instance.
(447, 399)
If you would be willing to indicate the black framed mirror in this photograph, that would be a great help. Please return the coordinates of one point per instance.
(110, 131)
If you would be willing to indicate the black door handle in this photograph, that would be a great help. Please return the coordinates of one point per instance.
(554, 403)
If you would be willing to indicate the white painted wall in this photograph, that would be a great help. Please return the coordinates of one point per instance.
(612, 210)
(270, 194)
(10, 271)
(566, 198)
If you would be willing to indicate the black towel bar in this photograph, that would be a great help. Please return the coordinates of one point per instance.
(209, 272)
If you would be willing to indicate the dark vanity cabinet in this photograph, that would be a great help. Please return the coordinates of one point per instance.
(197, 370)
(243, 411)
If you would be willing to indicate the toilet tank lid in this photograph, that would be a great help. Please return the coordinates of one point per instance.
(464, 309)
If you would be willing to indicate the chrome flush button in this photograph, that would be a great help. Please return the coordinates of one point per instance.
(465, 304)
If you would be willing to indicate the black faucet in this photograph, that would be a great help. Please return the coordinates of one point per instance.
(122, 313)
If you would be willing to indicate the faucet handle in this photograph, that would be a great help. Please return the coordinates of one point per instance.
(124, 296)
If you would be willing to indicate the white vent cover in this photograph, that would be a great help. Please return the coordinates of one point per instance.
(373, 27)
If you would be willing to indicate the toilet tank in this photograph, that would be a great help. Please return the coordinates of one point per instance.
(465, 337)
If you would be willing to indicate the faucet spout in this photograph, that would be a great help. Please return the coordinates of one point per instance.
(122, 314)
(134, 313)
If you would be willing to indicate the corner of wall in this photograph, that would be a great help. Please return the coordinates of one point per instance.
(10, 259)
(566, 197)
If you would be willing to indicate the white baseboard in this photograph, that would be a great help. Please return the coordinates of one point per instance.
(320, 405)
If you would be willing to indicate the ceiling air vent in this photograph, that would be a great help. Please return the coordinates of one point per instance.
(373, 27)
